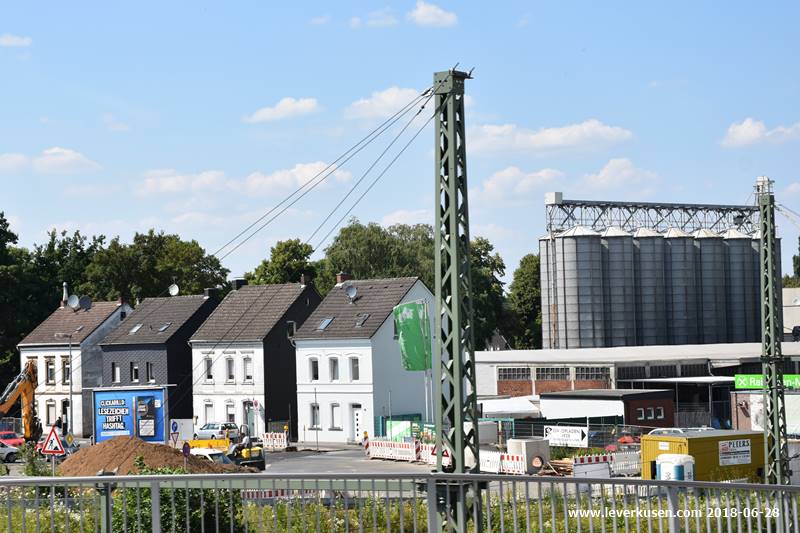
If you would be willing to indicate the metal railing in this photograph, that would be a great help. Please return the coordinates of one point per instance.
(387, 503)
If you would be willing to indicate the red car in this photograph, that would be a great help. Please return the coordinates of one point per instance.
(9, 438)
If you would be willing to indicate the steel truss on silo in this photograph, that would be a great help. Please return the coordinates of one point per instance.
(599, 215)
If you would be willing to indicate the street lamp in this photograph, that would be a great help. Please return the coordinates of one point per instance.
(71, 374)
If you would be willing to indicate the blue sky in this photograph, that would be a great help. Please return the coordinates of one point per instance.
(197, 117)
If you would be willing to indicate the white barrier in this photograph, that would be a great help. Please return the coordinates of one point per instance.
(512, 464)
(275, 441)
(427, 454)
(626, 464)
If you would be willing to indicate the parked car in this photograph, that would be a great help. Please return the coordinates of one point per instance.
(8, 454)
(212, 454)
(218, 430)
(11, 439)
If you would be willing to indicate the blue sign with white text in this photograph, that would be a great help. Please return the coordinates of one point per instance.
(139, 413)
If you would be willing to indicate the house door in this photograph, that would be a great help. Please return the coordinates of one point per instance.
(356, 425)
(65, 417)
(250, 418)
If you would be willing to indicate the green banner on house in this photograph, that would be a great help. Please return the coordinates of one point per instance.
(413, 331)
(756, 381)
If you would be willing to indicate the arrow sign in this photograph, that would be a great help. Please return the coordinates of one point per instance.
(571, 436)
(52, 444)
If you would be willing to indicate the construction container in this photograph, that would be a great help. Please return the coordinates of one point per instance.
(718, 455)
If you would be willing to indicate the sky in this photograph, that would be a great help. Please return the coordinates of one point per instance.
(197, 118)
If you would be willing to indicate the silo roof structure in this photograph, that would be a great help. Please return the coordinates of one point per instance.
(735, 234)
(675, 233)
(643, 233)
(578, 231)
(615, 232)
(706, 234)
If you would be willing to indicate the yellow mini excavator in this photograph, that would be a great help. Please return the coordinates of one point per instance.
(23, 388)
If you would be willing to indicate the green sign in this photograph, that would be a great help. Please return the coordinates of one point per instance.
(413, 330)
(756, 381)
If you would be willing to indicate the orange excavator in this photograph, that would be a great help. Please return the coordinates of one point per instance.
(23, 388)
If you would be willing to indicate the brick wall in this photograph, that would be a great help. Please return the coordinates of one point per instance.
(521, 387)
(669, 412)
(592, 384)
(556, 385)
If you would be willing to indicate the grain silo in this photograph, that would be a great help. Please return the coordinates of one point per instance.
(710, 264)
(547, 288)
(619, 295)
(579, 288)
(741, 286)
(651, 322)
(681, 288)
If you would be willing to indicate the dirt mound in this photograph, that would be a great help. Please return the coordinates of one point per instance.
(120, 452)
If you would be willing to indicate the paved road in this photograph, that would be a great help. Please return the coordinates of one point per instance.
(336, 462)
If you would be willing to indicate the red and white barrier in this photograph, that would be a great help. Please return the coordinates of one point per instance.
(266, 494)
(512, 464)
(275, 441)
(592, 459)
(426, 452)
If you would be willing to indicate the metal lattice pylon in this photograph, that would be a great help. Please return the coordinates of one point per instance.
(454, 361)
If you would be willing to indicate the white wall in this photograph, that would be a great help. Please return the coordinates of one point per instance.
(221, 393)
(486, 379)
(553, 408)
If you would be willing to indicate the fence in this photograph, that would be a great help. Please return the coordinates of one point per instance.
(11, 424)
(388, 503)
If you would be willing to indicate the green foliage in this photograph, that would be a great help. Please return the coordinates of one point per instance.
(35, 466)
(525, 303)
(791, 282)
(487, 290)
(288, 260)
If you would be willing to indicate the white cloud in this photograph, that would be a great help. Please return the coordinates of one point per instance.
(793, 187)
(590, 132)
(12, 162)
(355, 22)
(512, 182)
(381, 104)
(16, 41)
(287, 107)
(405, 216)
(425, 14)
(300, 174)
(14, 223)
(112, 124)
(751, 131)
(493, 232)
(169, 181)
(619, 172)
(377, 19)
(320, 20)
(57, 160)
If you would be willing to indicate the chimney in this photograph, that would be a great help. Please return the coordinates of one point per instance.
(341, 277)
(302, 280)
(238, 283)
(64, 295)
(210, 292)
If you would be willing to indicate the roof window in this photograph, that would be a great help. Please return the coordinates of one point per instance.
(135, 328)
(324, 323)
(164, 327)
(360, 319)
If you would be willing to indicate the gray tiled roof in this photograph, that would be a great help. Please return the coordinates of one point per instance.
(249, 313)
(153, 314)
(65, 320)
(376, 298)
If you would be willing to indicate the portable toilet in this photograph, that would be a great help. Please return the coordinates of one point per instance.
(675, 467)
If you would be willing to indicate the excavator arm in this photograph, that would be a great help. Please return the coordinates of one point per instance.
(23, 389)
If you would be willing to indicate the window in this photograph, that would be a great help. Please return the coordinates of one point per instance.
(50, 371)
(230, 374)
(163, 327)
(552, 373)
(313, 369)
(631, 372)
(248, 369)
(230, 413)
(135, 328)
(324, 323)
(114, 373)
(663, 371)
(659, 413)
(209, 412)
(65, 371)
(516, 373)
(639, 413)
(354, 372)
(360, 319)
(134, 371)
(151, 376)
(51, 412)
(694, 370)
(209, 369)
(333, 366)
(314, 416)
(592, 373)
(651, 413)
(336, 422)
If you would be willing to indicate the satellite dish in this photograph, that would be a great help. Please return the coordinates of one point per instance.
(174, 290)
(73, 302)
(85, 303)
(796, 301)
(351, 291)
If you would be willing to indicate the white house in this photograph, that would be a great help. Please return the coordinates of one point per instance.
(349, 369)
(76, 333)
(242, 358)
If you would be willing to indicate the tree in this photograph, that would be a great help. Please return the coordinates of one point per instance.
(487, 290)
(525, 304)
(288, 260)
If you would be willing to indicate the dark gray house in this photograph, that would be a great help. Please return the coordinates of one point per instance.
(150, 347)
(244, 361)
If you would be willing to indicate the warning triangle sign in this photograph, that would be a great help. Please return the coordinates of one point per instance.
(52, 444)
(445, 453)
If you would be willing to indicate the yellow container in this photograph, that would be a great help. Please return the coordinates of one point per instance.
(217, 444)
(719, 455)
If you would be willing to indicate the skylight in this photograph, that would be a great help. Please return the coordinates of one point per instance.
(360, 319)
(164, 327)
(324, 323)
(135, 328)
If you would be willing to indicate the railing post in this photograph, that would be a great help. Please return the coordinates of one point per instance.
(672, 505)
(105, 507)
(433, 507)
(155, 507)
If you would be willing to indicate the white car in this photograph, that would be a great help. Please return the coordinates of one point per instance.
(217, 430)
(212, 454)
(8, 454)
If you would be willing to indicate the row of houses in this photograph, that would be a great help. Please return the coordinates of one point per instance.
(264, 356)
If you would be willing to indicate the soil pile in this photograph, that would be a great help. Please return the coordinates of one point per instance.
(120, 452)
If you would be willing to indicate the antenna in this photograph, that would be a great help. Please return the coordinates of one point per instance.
(351, 291)
(73, 302)
(174, 290)
(85, 303)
